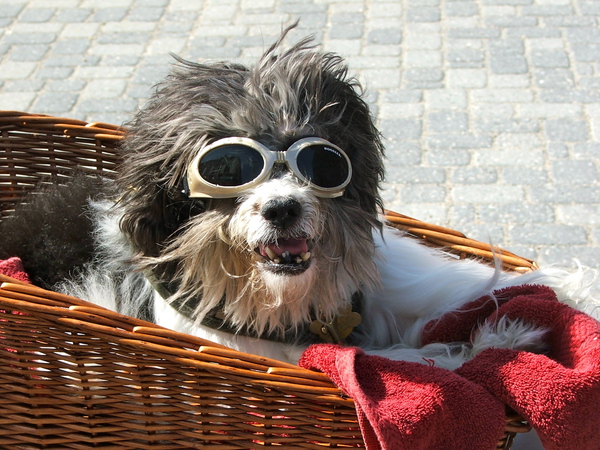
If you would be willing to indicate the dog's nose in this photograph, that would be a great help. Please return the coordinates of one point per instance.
(282, 213)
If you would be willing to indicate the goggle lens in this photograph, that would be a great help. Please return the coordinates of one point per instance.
(231, 165)
(322, 165)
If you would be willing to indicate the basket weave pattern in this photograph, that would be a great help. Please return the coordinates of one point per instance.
(38, 148)
(76, 373)
(78, 376)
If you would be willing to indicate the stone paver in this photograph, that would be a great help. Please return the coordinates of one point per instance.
(490, 109)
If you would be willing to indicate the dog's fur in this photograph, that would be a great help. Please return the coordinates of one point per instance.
(159, 252)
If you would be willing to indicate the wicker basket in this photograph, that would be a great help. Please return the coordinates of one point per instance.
(75, 375)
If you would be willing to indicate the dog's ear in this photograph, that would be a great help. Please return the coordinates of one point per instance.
(162, 139)
(356, 133)
(148, 219)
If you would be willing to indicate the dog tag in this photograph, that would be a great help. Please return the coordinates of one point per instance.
(321, 329)
(346, 322)
(339, 328)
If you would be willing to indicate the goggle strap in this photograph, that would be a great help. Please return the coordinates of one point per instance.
(186, 187)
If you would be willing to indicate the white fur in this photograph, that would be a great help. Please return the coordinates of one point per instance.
(169, 317)
(420, 284)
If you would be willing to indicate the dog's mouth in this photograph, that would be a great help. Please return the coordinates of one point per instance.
(286, 256)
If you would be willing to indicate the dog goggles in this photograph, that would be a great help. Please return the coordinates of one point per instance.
(230, 166)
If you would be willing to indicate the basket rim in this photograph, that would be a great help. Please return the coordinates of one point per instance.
(146, 336)
(75, 127)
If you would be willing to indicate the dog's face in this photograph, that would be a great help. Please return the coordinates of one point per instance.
(279, 251)
(280, 222)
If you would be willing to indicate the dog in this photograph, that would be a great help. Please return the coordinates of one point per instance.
(247, 211)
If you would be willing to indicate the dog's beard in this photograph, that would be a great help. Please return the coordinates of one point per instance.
(222, 262)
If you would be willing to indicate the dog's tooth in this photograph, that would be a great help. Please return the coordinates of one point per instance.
(305, 256)
(298, 260)
(277, 261)
(270, 253)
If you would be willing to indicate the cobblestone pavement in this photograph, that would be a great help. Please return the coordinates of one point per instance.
(490, 108)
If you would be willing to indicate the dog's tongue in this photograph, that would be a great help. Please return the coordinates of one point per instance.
(293, 246)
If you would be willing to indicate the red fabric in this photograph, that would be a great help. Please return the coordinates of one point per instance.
(558, 393)
(458, 326)
(13, 267)
(404, 405)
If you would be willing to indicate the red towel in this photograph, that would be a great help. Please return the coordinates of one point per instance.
(558, 393)
(404, 405)
(13, 267)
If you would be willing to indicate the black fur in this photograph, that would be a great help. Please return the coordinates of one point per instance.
(51, 231)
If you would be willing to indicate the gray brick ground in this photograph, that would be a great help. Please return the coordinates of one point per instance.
(490, 109)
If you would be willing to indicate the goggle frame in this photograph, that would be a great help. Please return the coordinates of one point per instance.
(198, 187)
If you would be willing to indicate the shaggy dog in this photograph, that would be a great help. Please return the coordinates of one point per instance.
(247, 211)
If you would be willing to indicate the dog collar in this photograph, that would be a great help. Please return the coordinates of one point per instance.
(336, 331)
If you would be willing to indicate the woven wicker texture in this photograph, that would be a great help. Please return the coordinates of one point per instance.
(78, 376)
(75, 375)
(44, 148)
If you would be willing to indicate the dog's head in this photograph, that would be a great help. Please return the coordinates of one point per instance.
(256, 189)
